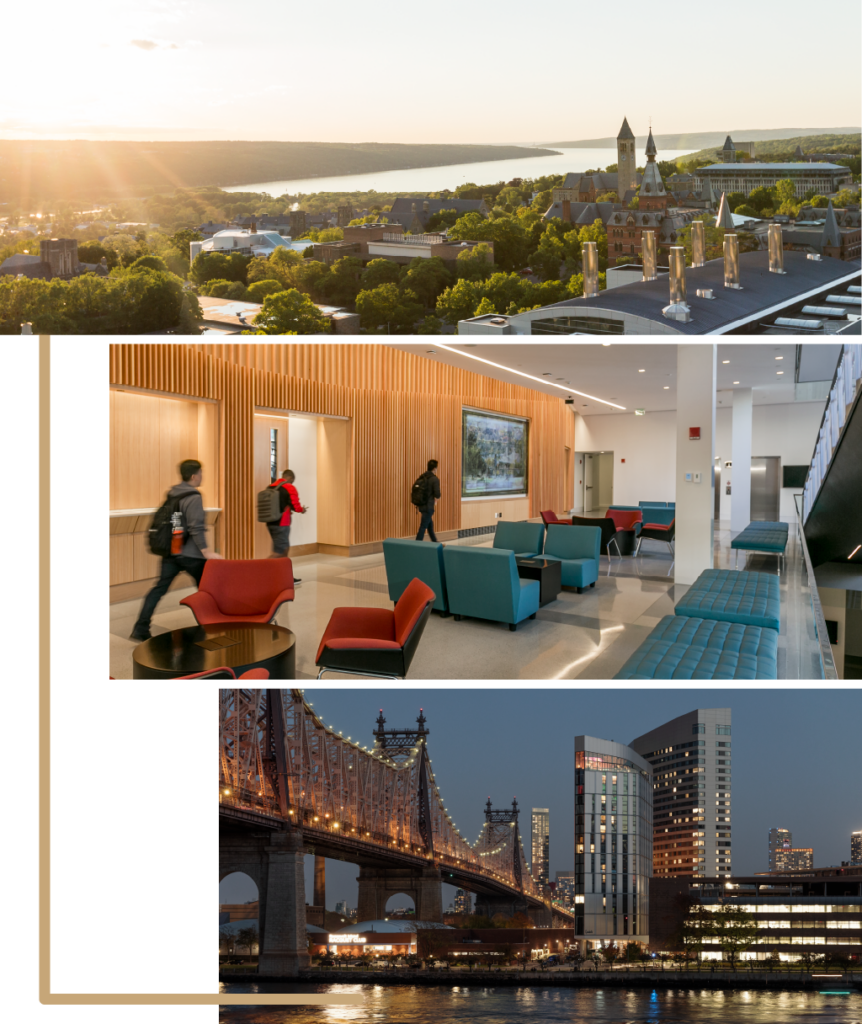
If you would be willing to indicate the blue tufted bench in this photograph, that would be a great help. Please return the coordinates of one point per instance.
(750, 598)
(761, 538)
(687, 648)
(764, 524)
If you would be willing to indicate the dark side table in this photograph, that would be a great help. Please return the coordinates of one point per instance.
(239, 646)
(549, 575)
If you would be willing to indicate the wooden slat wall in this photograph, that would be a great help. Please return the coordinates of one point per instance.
(403, 410)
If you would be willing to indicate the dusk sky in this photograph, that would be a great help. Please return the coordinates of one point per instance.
(383, 71)
(795, 760)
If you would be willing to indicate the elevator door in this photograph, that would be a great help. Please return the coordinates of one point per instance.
(765, 488)
(717, 514)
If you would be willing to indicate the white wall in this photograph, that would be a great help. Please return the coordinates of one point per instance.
(648, 445)
(789, 431)
(302, 456)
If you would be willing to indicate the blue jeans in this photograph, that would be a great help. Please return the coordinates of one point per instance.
(427, 523)
(280, 538)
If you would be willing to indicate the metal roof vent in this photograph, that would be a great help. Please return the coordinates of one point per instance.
(648, 252)
(813, 256)
(590, 261)
(698, 244)
(846, 300)
(825, 311)
(678, 309)
(705, 293)
(776, 250)
(799, 324)
(731, 261)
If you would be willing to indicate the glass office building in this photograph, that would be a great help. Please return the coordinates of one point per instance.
(690, 760)
(540, 838)
(613, 843)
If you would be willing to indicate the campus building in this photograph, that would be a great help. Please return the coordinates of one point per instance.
(613, 843)
(691, 763)
(824, 178)
(796, 913)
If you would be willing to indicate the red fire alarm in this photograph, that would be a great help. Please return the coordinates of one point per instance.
(694, 433)
(622, 460)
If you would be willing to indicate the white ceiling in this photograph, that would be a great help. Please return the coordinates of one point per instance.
(612, 372)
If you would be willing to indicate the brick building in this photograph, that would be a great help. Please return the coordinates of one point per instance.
(414, 214)
(829, 232)
(58, 258)
(388, 241)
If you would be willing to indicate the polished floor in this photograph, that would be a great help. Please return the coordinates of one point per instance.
(578, 636)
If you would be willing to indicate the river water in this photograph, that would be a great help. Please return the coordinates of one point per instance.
(432, 179)
(453, 1004)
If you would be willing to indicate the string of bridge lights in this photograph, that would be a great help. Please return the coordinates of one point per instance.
(390, 763)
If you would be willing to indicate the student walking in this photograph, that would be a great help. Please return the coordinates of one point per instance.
(424, 495)
(279, 530)
(189, 538)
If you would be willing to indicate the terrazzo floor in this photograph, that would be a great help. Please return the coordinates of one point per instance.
(578, 636)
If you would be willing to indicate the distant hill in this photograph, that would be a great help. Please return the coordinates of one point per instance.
(34, 172)
(706, 140)
(775, 148)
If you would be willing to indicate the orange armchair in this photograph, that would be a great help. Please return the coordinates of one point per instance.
(551, 517)
(241, 590)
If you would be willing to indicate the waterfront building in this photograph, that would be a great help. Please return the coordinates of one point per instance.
(824, 178)
(341, 908)
(564, 891)
(816, 911)
(540, 837)
(783, 856)
(613, 842)
(463, 902)
(690, 761)
(856, 847)
(413, 214)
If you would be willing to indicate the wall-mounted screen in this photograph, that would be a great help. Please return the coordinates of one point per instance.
(794, 476)
(494, 454)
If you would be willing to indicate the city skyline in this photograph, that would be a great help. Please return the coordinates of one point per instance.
(160, 72)
(486, 743)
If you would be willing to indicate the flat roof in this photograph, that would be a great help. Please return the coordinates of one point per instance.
(752, 165)
(760, 291)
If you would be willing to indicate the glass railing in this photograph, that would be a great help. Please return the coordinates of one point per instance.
(848, 375)
(808, 638)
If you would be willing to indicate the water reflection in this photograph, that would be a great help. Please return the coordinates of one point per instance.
(457, 1004)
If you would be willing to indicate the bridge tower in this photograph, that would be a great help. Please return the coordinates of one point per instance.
(422, 885)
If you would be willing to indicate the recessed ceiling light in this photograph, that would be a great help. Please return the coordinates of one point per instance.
(736, 382)
(779, 357)
(606, 344)
(779, 372)
(666, 387)
(725, 361)
(641, 371)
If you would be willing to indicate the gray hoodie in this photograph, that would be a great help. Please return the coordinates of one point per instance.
(193, 509)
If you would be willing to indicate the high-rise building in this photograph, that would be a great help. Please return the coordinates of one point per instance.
(613, 842)
(463, 902)
(856, 847)
(565, 890)
(798, 859)
(341, 908)
(780, 842)
(540, 844)
(690, 761)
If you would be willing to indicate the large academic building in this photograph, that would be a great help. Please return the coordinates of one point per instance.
(605, 510)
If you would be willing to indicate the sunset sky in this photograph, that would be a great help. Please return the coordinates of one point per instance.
(382, 71)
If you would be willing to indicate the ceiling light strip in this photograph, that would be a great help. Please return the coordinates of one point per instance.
(529, 376)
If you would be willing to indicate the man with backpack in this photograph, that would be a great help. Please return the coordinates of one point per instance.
(178, 534)
(279, 529)
(424, 495)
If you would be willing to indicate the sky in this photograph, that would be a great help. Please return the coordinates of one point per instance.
(383, 71)
(795, 761)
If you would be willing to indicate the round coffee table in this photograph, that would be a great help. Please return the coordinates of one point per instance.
(239, 646)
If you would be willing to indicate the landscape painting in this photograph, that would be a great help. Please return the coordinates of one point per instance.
(494, 451)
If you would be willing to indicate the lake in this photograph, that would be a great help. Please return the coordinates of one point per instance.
(433, 179)
(454, 1004)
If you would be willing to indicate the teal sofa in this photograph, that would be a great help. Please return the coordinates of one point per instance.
(749, 598)
(483, 583)
(415, 559)
(525, 539)
(578, 549)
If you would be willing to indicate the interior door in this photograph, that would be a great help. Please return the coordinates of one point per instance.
(569, 497)
(765, 488)
(588, 483)
(717, 513)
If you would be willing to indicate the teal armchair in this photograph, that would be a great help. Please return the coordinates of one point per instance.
(525, 539)
(483, 583)
(577, 548)
(415, 559)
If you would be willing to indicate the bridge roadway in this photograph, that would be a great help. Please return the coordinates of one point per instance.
(238, 822)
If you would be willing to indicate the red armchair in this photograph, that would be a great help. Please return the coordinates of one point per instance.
(625, 521)
(224, 674)
(376, 641)
(551, 517)
(241, 590)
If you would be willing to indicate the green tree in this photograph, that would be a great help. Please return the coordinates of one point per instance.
(189, 321)
(93, 252)
(312, 277)
(441, 220)
(344, 280)
(844, 198)
(149, 263)
(259, 290)
(248, 938)
(459, 301)
(290, 312)
(474, 264)
(546, 261)
(713, 238)
(261, 269)
(596, 232)
(759, 198)
(378, 272)
(818, 202)
(153, 300)
(735, 930)
(607, 197)
(785, 194)
(430, 325)
(426, 278)
(735, 199)
(543, 200)
(610, 952)
(220, 289)
(485, 308)
(388, 308)
(746, 211)
(208, 266)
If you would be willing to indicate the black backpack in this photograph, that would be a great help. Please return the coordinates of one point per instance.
(161, 532)
(419, 491)
(269, 504)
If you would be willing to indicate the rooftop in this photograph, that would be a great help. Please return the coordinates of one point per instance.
(759, 293)
(754, 165)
